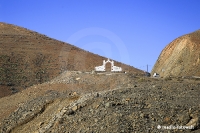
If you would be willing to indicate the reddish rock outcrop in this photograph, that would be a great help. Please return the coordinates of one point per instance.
(181, 57)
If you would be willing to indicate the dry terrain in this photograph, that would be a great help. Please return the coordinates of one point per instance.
(110, 102)
(28, 58)
(181, 57)
(54, 89)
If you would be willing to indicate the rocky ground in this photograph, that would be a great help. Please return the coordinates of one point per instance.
(109, 102)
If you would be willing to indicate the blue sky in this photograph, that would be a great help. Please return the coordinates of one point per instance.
(130, 31)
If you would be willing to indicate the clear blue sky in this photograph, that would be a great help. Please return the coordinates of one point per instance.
(130, 31)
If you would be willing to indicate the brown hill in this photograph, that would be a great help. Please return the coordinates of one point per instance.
(181, 57)
(28, 58)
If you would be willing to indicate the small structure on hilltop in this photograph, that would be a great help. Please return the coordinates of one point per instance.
(113, 68)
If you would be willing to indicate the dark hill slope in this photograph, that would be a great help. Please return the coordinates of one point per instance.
(28, 58)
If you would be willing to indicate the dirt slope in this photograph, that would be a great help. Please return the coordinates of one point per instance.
(103, 103)
(28, 58)
(181, 57)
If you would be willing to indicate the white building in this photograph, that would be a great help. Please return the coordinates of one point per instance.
(156, 75)
(113, 68)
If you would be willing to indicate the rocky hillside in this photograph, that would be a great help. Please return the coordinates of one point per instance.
(79, 102)
(181, 57)
(28, 58)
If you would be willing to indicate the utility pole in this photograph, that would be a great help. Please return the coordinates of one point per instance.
(147, 67)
